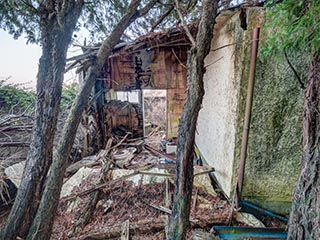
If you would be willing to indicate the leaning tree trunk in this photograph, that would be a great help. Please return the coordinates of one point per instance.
(184, 168)
(304, 220)
(99, 115)
(55, 43)
(50, 199)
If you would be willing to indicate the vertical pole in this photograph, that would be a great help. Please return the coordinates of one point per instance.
(246, 125)
(141, 96)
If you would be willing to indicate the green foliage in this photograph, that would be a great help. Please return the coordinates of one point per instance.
(295, 27)
(19, 17)
(69, 93)
(14, 96)
(100, 17)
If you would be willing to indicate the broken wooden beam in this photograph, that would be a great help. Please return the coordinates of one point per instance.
(151, 149)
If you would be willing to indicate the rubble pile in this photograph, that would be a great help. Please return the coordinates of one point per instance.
(138, 194)
(126, 191)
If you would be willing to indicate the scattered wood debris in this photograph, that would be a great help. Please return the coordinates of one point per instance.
(130, 198)
(133, 199)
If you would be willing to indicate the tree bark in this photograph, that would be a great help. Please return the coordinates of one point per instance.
(304, 222)
(99, 114)
(42, 224)
(54, 40)
(184, 167)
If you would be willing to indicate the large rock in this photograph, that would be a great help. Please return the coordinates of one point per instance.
(77, 179)
(15, 172)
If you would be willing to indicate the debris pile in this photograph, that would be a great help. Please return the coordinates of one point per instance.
(14, 138)
(131, 196)
(15, 134)
(126, 190)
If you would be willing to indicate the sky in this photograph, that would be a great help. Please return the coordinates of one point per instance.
(19, 61)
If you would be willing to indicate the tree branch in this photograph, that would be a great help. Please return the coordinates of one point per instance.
(146, 8)
(184, 25)
(161, 18)
(174, 53)
(29, 4)
(129, 17)
(293, 69)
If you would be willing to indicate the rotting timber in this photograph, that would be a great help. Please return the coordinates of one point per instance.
(154, 61)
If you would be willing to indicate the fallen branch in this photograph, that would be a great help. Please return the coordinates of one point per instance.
(88, 161)
(184, 25)
(168, 211)
(204, 172)
(139, 171)
(16, 128)
(122, 140)
(8, 118)
(99, 186)
(174, 53)
(154, 131)
(156, 174)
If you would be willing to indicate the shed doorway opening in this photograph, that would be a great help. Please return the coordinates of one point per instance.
(154, 112)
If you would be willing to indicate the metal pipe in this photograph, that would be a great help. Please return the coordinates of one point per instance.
(262, 211)
(237, 233)
(246, 125)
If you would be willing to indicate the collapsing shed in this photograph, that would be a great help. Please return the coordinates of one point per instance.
(156, 61)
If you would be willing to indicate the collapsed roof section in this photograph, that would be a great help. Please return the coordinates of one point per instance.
(156, 60)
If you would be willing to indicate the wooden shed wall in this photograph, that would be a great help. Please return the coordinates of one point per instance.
(158, 68)
(165, 69)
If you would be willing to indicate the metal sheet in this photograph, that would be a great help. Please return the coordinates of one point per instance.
(234, 233)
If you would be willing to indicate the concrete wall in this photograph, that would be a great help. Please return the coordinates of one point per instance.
(273, 153)
(273, 156)
(217, 120)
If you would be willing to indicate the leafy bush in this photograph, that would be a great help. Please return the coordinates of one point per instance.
(69, 93)
(13, 96)
(16, 98)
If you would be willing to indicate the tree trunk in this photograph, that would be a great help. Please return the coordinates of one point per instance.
(55, 40)
(42, 224)
(184, 168)
(304, 222)
(99, 115)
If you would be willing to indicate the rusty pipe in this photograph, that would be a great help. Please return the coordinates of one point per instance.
(246, 124)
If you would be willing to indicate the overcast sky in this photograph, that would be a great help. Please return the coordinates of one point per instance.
(18, 60)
